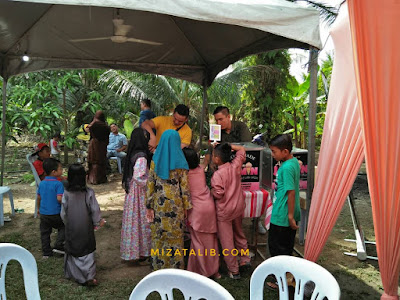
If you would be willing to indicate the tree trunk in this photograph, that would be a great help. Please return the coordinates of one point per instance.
(65, 126)
(296, 137)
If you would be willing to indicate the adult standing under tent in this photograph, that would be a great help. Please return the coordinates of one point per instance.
(168, 199)
(97, 153)
(231, 131)
(176, 122)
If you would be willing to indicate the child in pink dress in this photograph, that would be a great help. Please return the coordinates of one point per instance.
(202, 221)
(135, 230)
(230, 205)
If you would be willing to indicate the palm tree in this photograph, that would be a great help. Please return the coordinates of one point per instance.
(328, 13)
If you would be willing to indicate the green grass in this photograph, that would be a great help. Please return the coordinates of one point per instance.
(53, 285)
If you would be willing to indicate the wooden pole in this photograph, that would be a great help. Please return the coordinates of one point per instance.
(313, 70)
(3, 130)
(203, 110)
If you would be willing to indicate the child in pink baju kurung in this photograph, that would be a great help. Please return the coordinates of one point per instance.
(230, 205)
(135, 230)
(202, 221)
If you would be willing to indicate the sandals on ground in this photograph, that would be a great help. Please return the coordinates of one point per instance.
(245, 267)
(234, 276)
(92, 282)
(272, 285)
(216, 276)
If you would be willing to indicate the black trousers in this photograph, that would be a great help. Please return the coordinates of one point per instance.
(281, 240)
(47, 223)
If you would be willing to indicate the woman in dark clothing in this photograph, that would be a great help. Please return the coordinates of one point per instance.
(97, 154)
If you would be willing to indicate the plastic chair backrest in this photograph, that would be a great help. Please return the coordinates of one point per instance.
(302, 270)
(31, 158)
(28, 265)
(192, 285)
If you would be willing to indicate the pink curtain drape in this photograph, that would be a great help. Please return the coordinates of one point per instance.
(376, 43)
(341, 151)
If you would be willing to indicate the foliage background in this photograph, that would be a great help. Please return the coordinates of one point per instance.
(258, 90)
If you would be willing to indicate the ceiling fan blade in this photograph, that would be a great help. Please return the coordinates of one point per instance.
(90, 39)
(143, 41)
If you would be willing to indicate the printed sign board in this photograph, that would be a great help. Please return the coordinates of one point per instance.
(215, 132)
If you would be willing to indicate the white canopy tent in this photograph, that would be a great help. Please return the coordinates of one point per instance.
(186, 39)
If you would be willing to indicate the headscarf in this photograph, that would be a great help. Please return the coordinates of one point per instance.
(99, 128)
(99, 116)
(138, 147)
(169, 155)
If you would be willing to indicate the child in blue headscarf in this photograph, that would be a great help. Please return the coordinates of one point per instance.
(168, 199)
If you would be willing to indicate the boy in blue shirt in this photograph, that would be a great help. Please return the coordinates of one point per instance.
(286, 207)
(145, 111)
(50, 193)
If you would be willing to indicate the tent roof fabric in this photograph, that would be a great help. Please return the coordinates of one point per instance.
(199, 38)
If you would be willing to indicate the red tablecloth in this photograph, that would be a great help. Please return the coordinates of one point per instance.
(257, 203)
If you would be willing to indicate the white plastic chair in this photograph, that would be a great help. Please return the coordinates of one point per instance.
(302, 270)
(192, 285)
(31, 158)
(29, 269)
(119, 163)
(5, 190)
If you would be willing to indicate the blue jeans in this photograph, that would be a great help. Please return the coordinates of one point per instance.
(111, 153)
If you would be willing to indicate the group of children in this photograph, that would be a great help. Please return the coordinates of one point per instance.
(215, 213)
(75, 213)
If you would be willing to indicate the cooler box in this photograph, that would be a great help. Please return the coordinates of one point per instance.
(270, 168)
(252, 168)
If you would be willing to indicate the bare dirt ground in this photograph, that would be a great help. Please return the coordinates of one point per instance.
(357, 279)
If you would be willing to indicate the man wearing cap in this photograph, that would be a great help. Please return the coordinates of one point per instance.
(43, 152)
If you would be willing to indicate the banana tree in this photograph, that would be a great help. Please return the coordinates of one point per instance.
(296, 111)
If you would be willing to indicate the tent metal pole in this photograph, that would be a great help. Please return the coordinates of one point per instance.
(313, 70)
(203, 111)
(3, 129)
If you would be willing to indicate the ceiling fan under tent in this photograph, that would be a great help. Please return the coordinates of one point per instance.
(120, 34)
